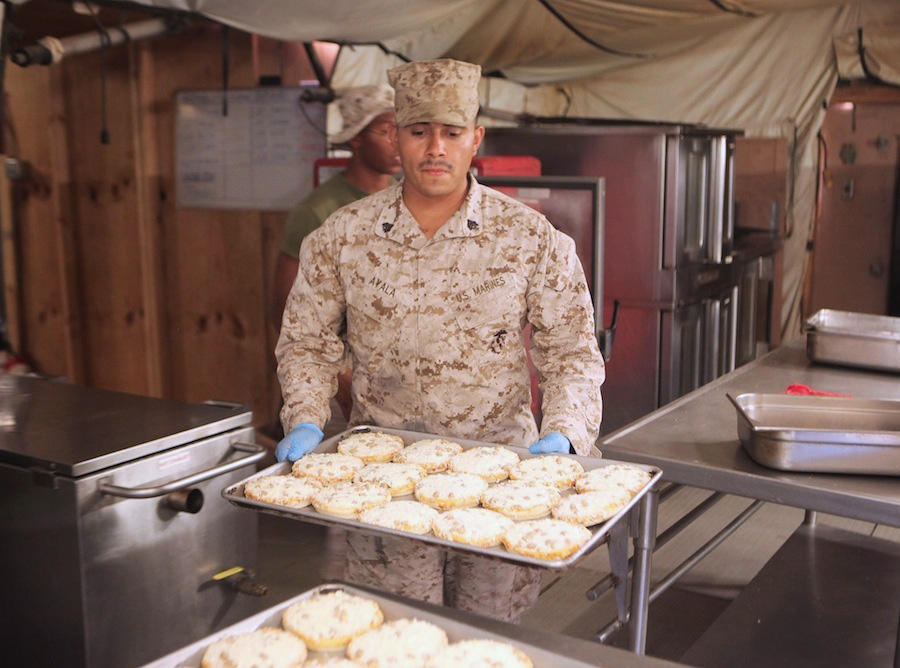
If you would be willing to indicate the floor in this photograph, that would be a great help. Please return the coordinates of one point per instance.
(293, 559)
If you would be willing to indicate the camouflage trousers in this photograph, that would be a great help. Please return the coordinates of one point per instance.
(469, 582)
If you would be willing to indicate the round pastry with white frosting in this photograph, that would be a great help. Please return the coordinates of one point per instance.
(624, 476)
(330, 620)
(591, 507)
(399, 643)
(399, 479)
(450, 490)
(521, 500)
(480, 653)
(556, 470)
(492, 463)
(284, 490)
(265, 648)
(371, 446)
(432, 453)
(473, 526)
(327, 467)
(546, 539)
(412, 516)
(348, 499)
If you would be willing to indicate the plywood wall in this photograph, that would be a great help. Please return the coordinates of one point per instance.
(118, 287)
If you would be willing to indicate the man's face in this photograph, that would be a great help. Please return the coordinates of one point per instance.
(374, 146)
(436, 157)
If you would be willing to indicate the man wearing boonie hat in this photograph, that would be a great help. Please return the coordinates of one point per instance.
(367, 112)
(427, 285)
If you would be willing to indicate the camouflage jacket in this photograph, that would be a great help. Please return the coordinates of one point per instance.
(434, 326)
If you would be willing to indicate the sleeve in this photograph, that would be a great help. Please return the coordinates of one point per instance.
(563, 344)
(301, 221)
(310, 351)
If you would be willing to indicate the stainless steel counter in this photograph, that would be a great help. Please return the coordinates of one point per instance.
(694, 440)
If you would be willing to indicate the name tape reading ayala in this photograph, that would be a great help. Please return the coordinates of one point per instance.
(464, 295)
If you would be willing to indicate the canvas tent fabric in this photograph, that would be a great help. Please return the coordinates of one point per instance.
(765, 67)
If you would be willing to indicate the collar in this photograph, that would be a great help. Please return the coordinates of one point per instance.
(396, 223)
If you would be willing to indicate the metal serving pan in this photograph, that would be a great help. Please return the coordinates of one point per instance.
(823, 434)
(192, 655)
(854, 339)
(600, 532)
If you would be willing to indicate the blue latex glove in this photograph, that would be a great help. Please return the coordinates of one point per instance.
(554, 442)
(301, 440)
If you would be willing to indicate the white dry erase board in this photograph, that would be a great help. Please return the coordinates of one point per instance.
(258, 156)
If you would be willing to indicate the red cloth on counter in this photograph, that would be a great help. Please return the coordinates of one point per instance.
(809, 392)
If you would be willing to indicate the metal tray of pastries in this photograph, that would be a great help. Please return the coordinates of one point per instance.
(599, 533)
(392, 608)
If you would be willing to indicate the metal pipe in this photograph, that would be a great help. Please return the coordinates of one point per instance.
(184, 501)
(603, 585)
(51, 50)
(604, 634)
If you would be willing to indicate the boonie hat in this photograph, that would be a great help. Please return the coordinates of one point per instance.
(435, 91)
(358, 106)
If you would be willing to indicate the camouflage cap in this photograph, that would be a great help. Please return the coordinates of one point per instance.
(435, 91)
(358, 106)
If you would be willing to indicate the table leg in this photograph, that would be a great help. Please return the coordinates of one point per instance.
(640, 582)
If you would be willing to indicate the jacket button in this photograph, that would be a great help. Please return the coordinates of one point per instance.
(472, 224)
(387, 227)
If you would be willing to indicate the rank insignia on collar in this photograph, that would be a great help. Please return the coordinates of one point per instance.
(472, 224)
(387, 227)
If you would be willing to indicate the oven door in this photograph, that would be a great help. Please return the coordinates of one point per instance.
(703, 194)
(698, 344)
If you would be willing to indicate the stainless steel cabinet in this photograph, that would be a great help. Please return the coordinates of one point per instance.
(112, 524)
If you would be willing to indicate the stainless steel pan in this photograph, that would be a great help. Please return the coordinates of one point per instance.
(854, 339)
(824, 434)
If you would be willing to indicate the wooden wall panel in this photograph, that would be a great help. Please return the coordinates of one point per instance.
(35, 133)
(214, 281)
(121, 288)
(107, 234)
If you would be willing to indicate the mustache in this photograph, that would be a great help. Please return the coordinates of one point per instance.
(431, 164)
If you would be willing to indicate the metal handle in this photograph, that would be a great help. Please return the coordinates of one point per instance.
(258, 451)
(607, 335)
(717, 218)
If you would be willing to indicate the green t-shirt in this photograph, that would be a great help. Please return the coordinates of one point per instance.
(312, 211)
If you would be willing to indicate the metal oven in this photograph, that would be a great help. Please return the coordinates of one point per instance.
(112, 525)
(668, 242)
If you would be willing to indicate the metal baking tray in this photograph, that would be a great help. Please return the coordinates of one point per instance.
(600, 532)
(854, 339)
(192, 655)
(820, 434)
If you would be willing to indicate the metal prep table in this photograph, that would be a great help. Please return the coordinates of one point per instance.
(112, 526)
(694, 441)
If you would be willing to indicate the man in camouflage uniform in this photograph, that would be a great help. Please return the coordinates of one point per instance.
(427, 285)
